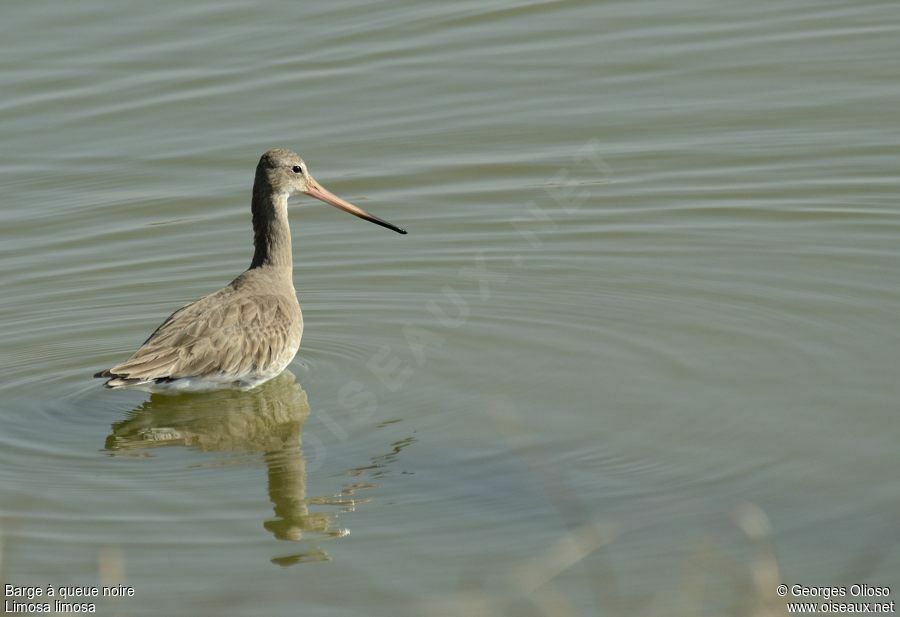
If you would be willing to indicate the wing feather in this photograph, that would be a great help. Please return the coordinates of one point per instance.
(224, 335)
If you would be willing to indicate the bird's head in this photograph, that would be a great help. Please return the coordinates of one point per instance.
(285, 172)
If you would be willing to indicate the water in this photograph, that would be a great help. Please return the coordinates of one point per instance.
(648, 304)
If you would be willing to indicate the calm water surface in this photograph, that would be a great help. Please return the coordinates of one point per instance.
(652, 276)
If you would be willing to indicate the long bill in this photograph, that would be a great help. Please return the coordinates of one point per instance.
(319, 192)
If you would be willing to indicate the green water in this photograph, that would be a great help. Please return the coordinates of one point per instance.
(650, 291)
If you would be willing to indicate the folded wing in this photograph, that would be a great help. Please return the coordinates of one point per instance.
(222, 337)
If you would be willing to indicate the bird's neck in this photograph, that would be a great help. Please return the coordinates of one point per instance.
(271, 231)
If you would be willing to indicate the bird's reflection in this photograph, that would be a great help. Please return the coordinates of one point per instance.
(267, 420)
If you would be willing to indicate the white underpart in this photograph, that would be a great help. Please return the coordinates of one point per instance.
(210, 383)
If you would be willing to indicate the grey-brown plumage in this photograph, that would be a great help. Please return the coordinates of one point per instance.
(250, 330)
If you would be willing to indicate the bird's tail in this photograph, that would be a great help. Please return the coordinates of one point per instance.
(114, 380)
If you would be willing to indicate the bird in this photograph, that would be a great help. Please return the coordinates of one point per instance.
(249, 331)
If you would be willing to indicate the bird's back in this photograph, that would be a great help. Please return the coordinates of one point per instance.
(241, 335)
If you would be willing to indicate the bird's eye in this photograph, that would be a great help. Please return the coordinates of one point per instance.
(297, 169)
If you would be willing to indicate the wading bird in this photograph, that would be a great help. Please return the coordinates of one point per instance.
(248, 331)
